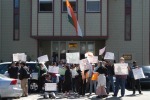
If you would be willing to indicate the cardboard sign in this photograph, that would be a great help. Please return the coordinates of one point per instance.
(53, 69)
(84, 64)
(73, 58)
(138, 73)
(50, 86)
(121, 68)
(109, 56)
(19, 57)
(43, 58)
(101, 51)
(93, 59)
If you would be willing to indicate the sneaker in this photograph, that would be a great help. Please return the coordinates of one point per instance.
(141, 93)
(114, 95)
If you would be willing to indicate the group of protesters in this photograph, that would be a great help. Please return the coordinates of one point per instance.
(97, 79)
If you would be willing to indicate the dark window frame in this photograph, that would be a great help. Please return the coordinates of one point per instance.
(52, 1)
(64, 3)
(128, 6)
(93, 11)
(16, 23)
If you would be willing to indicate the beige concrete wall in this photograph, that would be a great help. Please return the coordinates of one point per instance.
(45, 21)
(139, 31)
(25, 44)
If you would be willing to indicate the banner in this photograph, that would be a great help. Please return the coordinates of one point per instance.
(53, 69)
(73, 58)
(84, 64)
(19, 57)
(138, 73)
(93, 59)
(109, 56)
(101, 51)
(43, 58)
(121, 68)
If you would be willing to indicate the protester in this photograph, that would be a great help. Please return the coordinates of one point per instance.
(94, 79)
(74, 74)
(78, 79)
(41, 73)
(54, 77)
(13, 71)
(67, 81)
(23, 76)
(120, 82)
(135, 83)
(109, 78)
(101, 91)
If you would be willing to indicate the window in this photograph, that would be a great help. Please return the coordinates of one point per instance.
(16, 20)
(92, 5)
(127, 20)
(73, 4)
(45, 5)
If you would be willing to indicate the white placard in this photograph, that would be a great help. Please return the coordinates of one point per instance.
(93, 59)
(89, 54)
(109, 55)
(101, 51)
(50, 87)
(73, 58)
(53, 69)
(84, 64)
(43, 58)
(19, 57)
(138, 73)
(121, 68)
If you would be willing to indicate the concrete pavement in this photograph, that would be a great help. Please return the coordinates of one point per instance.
(128, 96)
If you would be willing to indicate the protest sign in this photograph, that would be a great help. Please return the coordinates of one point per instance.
(121, 68)
(73, 58)
(53, 69)
(101, 51)
(109, 56)
(93, 59)
(50, 86)
(89, 54)
(19, 57)
(62, 71)
(138, 73)
(43, 58)
(84, 64)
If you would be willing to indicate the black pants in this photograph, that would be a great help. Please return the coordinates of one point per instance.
(82, 87)
(136, 83)
(74, 84)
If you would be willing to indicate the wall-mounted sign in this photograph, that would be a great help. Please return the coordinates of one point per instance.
(73, 45)
(127, 56)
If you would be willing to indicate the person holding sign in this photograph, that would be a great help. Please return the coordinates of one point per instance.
(120, 80)
(135, 82)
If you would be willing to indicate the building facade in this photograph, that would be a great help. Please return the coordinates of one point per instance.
(39, 27)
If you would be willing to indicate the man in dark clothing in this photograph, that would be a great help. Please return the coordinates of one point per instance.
(109, 77)
(13, 71)
(135, 82)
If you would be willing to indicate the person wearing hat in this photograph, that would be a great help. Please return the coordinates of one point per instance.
(120, 81)
(133, 81)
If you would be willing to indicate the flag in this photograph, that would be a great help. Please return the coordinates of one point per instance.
(72, 19)
(101, 51)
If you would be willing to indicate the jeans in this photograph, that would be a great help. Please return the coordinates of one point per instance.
(110, 82)
(93, 82)
(120, 82)
(73, 84)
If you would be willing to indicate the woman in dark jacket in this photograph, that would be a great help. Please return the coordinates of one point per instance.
(67, 81)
